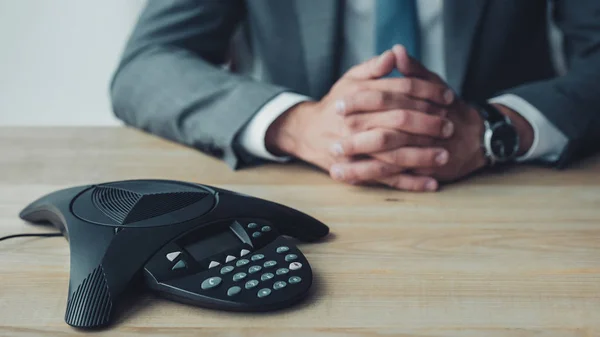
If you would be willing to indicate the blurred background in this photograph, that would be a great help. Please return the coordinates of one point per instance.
(57, 58)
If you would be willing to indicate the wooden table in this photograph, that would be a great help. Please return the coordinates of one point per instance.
(506, 254)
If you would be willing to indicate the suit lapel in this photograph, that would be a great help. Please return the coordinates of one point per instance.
(319, 22)
(461, 21)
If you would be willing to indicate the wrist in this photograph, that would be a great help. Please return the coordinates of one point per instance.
(281, 137)
(522, 126)
(479, 158)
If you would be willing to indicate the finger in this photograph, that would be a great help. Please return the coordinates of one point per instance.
(424, 171)
(414, 87)
(362, 170)
(376, 140)
(414, 157)
(407, 182)
(414, 122)
(374, 100)
(374, 68)
(410, 67)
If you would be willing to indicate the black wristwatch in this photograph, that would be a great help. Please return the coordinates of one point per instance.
(500, 137)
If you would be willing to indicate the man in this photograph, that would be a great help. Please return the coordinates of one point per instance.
(406, 93)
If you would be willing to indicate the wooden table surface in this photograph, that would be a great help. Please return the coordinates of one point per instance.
(515, 253)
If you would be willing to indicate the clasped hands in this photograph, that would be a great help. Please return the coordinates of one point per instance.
(410, 133)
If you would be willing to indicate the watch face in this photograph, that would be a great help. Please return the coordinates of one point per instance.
(504, 142)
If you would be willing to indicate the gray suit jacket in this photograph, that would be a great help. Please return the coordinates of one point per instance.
(170, 81)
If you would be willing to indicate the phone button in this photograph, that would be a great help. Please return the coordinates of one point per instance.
(239, 276)
(264, 292)
(295, 265)
(295, 279)
(241, 262)
(270, 264)
(251, 284)
(291, 257)
(210, 283)
(173, 255)
(266, 277)
(282, 271)
(282, 249)
(179, 265)
(279, 285)
(257, 257)
(233, 291)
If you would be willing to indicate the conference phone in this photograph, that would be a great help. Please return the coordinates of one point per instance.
(189, 242)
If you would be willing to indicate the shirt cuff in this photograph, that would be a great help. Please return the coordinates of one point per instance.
(548, 141)
(252, 137)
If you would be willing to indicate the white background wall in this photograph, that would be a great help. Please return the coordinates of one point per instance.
(57, 58)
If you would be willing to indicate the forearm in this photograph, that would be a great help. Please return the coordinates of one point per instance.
(175, 94)
(570, 102)
(171, 82)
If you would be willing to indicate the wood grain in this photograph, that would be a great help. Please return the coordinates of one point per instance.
(512, 253)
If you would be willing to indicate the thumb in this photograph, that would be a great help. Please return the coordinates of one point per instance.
(374, 68)
(410, 67)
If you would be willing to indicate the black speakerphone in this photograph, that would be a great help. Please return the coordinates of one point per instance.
(190, 242)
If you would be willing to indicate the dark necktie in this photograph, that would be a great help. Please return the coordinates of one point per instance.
(397, 23)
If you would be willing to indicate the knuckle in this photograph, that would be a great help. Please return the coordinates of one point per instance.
(357, 87)
(378, 99)
(383, 170)
(435, 125)
(407, 85)
(376, 170)
(401, 118)
(353, 123)
(397, 157)
(381, 140)
(404, 139)
(387, 139)
(426, 107)
(413, 159)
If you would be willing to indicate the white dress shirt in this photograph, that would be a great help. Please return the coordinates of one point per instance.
(359, 46)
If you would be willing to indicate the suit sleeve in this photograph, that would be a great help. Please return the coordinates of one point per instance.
(572, 102)
(171, 80)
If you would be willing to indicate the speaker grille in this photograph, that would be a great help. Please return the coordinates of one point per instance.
(152, 205)
(115, 203)
(124, 206)
(91, 304)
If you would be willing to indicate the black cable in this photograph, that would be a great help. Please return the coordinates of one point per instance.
(32, 234)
